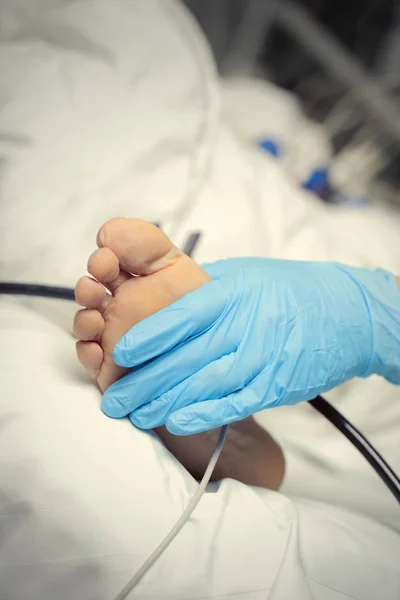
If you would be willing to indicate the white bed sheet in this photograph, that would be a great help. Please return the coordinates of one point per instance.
(85, 499)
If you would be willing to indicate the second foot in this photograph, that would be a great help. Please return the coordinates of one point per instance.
(250, 455)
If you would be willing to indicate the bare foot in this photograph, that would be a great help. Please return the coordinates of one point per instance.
(145, 272)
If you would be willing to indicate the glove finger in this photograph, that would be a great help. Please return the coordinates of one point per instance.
(182, 320)
(213, 413)
(158, 377)
(216, 380)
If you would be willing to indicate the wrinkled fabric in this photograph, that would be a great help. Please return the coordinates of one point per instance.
(86, 499)
(108, 107)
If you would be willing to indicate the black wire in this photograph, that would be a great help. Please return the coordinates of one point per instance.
(368, 451)
(32, 289)
(63, 293)
(380, 466)
(191, 243)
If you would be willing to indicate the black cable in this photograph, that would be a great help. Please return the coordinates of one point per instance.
(32, 289)
(380, 466)
(191, 243)
(368, 451)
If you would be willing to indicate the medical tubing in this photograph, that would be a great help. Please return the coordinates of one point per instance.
(33, 289)
(191, 243)
(183, 519)
(63, 293)
(368, 451)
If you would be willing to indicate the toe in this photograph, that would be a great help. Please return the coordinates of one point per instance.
(141, 247)
(104, 266)
(88, 325)
(90, 293)
(91, 356)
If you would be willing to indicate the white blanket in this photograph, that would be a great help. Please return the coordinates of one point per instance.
(112, 107)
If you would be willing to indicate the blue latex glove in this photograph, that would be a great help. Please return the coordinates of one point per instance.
(264, 333)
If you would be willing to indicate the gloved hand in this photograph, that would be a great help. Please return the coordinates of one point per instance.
(263, 333)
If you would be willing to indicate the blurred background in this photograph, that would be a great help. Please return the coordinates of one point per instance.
(340, 61)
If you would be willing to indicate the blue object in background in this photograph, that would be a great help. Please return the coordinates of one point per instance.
(318, 182)
(270, 146)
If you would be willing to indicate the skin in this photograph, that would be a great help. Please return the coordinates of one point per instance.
(163, 275)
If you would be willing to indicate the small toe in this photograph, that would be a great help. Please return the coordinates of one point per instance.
(88, 325)
(104, 265)
(90, 293)
(90, 356)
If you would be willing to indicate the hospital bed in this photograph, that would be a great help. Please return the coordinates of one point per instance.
(98, 119)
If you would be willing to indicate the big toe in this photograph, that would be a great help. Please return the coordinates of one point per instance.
(141, 248)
